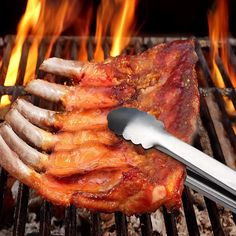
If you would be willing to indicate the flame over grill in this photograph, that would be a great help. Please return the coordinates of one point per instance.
(42, 18)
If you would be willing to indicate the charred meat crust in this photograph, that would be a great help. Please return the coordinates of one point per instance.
(107, 173)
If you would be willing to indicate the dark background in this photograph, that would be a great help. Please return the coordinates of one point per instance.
(154, 17)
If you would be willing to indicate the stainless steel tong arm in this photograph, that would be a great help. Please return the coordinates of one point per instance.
(154, 135)
(197, 161)
(204, 174)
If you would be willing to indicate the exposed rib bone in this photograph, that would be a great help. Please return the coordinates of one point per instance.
(49, 91)
(10, 162)
(62, 67)
(38, 116)
(88, 73)
(27, 154)
(29, 132)
(77, 97)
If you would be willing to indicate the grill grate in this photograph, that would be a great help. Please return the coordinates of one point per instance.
(208, 139)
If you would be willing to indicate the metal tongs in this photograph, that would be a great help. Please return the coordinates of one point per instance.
(204, 174)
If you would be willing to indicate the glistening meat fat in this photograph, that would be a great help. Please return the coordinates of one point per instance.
(82, 162)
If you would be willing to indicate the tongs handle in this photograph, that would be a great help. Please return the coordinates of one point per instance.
(196, 160)
(210, 190)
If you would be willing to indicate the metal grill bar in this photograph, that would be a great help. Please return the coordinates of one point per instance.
(170, 223)
(208, 124)
(225, 76)
(70, 221)
(146, 225)
(226, 119)
(45, 217)
(3, 181)
(21, 210)
(189, 211)
(67, 47)
(121, 224)
(96, 224)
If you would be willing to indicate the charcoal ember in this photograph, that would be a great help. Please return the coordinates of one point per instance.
(158, 224)
(32, 224)
(181, 222)
(198, 200)
(201, 212)
(133, 223)
(227, 221)
(203, 221)
(108, 224)
(57, 226)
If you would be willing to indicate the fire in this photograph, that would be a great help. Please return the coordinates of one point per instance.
(46, 26)
(36, 21)
(27, 22)
(0, 62)
(104, 16)
(119, 16)
(84, 20)
(219, 34)
(50, 18)
(121, 28)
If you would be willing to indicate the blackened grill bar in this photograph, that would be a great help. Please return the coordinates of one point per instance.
(67, 47)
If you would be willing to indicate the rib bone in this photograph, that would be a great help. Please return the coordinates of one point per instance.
(38, 116)
(77, 97)
(49, 91)
(88, 74)
(10, 161)
(29, 132)
(27, 154)
(62, 67)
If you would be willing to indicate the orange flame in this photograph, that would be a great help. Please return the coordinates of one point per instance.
(104, 17)
(37, 21)
(118, 15)
(28, 21)
(218, 33)
(46, 26)
(49, 18)
(1, 61)
(122, 26)
(83, 23)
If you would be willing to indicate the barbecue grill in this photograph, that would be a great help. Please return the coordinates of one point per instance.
(215, 136)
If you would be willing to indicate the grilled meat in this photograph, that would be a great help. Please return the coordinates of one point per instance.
(82, 162)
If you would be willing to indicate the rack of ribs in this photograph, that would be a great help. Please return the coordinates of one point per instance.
(71, 157)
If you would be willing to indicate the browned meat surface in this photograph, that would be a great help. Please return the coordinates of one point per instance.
(83, 162)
